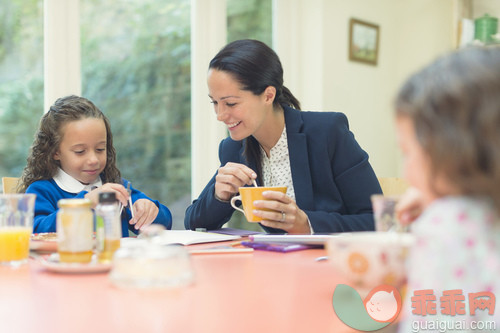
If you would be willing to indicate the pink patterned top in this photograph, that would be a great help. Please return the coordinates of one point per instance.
(456, 254)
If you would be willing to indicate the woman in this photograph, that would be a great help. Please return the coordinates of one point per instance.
(314, 154)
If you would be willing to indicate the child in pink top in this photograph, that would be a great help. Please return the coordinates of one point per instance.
(448, 124)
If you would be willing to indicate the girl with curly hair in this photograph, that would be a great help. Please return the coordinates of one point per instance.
(73, 156)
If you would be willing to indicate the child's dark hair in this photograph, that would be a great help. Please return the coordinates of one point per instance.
(255, 66)
(41, 163)
(454, 105)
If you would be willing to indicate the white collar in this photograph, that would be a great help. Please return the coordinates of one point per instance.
(71, 185)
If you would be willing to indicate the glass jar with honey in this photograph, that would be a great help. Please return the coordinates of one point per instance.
(75, 230)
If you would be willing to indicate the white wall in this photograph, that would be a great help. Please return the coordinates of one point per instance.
(298, 37)
(312, 41)
(208, 36)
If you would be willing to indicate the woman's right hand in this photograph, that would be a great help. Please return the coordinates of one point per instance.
(410, 206)
(230, 178)
(119, 190)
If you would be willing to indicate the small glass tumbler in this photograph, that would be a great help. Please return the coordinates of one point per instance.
(147, 263)
(16, 226)
(384, 211)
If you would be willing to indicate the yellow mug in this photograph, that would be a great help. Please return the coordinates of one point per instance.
(250, 194)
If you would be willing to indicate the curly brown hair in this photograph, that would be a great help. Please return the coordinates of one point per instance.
(454, 105)
(41, 163)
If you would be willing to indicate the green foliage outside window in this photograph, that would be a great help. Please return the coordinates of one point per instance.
(21, 80)
(136, 62)
(249, 19)
(136, 68)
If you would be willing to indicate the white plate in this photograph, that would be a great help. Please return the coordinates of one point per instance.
(44, 242)
(43, 246)
(53, 264)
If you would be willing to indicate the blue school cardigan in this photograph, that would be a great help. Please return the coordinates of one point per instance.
(332, 178)
(48, 193)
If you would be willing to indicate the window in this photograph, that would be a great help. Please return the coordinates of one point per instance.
(136, 60)
(249, 19)
(136, 69)
(21, 80)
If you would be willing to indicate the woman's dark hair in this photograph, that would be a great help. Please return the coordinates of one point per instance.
(255, 66)
(41, 163)
(454, 105)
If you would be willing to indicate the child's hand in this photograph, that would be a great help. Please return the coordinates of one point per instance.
(145, 212)
(410, 206)
(119, 190)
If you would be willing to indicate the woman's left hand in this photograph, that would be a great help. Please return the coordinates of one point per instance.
(145, 212)
(284, 214)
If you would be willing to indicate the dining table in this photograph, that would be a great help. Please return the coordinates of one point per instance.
(258, 291)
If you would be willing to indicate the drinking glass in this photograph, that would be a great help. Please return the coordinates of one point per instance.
(16, 226)
(384, 211)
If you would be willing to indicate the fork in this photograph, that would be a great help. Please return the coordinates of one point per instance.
(130, 199)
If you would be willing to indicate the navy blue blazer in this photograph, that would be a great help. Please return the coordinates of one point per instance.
(332, 178)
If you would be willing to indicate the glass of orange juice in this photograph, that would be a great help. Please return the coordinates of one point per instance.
(16, 226)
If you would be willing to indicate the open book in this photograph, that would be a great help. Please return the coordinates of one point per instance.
(185, 237)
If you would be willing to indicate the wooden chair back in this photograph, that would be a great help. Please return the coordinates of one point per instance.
(393, 185)
(9, 184)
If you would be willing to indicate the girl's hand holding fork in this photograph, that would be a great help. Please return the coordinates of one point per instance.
(119, 190)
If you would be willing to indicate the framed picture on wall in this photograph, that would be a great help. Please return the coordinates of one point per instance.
(363, 41)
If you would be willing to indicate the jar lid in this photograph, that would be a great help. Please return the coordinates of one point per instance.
(107, 197)
(74, 203)
(486, 19)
